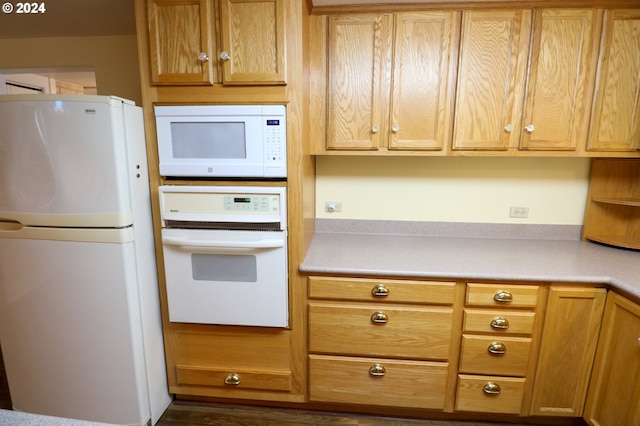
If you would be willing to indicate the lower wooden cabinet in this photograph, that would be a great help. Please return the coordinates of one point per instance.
(614, 391)
(375, 381)
(490, 394)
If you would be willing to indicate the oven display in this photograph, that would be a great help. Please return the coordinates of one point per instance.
(255, 203)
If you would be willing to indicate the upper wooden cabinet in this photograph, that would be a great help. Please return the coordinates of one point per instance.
(503, 103)
(180, 42)
(200, 42)
(615, 122)
(383, 94)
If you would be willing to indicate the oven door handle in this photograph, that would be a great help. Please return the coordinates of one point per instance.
(183, 242)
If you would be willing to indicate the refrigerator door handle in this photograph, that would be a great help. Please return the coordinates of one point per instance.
(9, 225)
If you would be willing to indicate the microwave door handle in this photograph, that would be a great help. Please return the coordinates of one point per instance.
(183, 242)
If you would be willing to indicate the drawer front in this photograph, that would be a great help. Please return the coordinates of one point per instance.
(480, 394)
(508, 356)
(498, 322)
(514, 296)
(233, 378)
(370, 330)
(374, 381)
(397, 291)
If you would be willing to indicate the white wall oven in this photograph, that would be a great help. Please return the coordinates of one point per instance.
(222, 141)
(225, 254)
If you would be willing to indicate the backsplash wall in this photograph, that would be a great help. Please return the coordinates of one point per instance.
(453, 189)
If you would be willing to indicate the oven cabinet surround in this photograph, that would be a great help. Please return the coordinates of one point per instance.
(202, 42)
(389, 79)
(516, 349)
(528, 82)
(614, 392)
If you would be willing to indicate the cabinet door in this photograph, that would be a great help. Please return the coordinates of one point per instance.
(490, 79)
(180, 42)
(422, 91)
(359, 55)
(561, 73)
(252, 41)
(615, 122)
(567, 350)
(614, 390)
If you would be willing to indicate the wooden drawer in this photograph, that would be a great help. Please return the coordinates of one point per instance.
(397, 383)
(397, 291)
(498, 322)
(409, 332)
(514, 296)
(233, 378)
(476, 357)
(472, 394)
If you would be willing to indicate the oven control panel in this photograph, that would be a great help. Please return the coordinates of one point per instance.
(223, 203)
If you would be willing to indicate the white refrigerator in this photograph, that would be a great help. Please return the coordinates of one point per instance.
(80, 325)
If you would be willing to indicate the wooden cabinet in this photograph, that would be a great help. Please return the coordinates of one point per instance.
(499, 341)
(614, 390)
(502, 103)
(370, 337)
(615, 121)
(186, 47)
(181, 39)
(567, 349)
(388, 83)
(612, 214)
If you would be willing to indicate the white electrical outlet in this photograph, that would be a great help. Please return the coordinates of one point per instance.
(519, 212)
(333, 206)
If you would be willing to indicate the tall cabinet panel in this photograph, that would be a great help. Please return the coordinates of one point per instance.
(560, 82)
(490, 79)
(616, 110)
(180, 39)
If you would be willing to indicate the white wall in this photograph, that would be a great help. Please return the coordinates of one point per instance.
(454, 189)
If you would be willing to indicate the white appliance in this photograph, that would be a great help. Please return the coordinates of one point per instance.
(247, 141)
(80, 324)
(225, 254)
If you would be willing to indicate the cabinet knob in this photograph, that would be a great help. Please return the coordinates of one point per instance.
(232, 379)
(503, 296)
(377, 370)
(375, 129)
(491, 388)
(508, 128)
(530, 128)
(379, 318)
(380, 291)
(500, 323)
(497, 348)
(203, 57)
(224, 55)
(395, 128)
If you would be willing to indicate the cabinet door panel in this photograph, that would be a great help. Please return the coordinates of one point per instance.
(358, 48)
(179, 30)
(615, 122)
(422, 91)
(560, 79)
(252, 33)
(490, 79)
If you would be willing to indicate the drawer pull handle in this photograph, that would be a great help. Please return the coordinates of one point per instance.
(503, 296)
(497, 348)
(491, 388)
(377, 370)
(232, 379)
(500, 323)
(379, 318)
(380, 291)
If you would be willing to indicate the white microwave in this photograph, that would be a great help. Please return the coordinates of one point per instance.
(222, 141)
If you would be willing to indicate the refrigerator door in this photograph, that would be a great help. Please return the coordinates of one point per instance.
(63, 161)
(70, 324)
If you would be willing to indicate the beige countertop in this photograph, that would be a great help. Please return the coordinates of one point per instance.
(537, 253)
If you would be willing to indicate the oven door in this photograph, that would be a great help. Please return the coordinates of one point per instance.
(226, 277)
